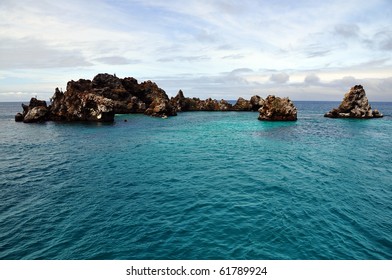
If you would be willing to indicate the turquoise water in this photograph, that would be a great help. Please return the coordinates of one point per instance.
(202, 185)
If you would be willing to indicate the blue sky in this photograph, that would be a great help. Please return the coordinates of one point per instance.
(307, 50)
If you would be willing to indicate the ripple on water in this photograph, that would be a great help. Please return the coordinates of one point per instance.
(199, 186)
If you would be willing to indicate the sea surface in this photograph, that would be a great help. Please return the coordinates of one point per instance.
(201, 185)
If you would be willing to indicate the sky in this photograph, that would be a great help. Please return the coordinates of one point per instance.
(305, 50)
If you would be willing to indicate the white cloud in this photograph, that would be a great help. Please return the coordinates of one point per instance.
(117, 60)
(384, 39)
(29, 53)
(312, 79)
(348, 31)
(280, 78)
(205, 40)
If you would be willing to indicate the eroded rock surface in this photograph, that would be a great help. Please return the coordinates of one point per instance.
(354, 105)
(99, 100)
(277, 109)
(36, 111)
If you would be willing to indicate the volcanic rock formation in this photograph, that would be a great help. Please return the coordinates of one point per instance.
(106, 95)
(354, 105)
(277, 109)
(184, 104)
(36, 111)
(99, 100)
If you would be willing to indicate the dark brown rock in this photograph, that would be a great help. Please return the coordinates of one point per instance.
(179, 102)
(19, 117)
(242, 105)
(277, 109)
(160, 108)
(36, 111)
(107, 95)
(98, 100)
(225, 106)
(185, 104)
(36, 114)
(354, 105)
(256, 102)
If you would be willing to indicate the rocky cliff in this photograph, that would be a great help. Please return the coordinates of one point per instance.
(354, 105)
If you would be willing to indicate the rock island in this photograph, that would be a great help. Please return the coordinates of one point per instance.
(354, 105)
(98, 100)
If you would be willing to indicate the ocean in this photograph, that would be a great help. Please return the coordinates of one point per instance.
(201, 185)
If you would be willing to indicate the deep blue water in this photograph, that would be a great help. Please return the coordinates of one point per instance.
(202, 185)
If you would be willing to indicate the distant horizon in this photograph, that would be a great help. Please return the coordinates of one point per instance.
(227, 99)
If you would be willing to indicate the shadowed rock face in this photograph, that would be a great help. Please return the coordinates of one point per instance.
(256, 102)
(277, 109)
(354, 105)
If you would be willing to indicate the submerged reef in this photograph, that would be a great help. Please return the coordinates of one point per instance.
(354, 105)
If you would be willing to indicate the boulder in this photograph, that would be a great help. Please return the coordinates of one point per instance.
(36, 114)
(277, 109)
(225, 106)
(354, 105)
(256, 102)
(242, 105)
(19, 117)
(36, 111)
(160, 108)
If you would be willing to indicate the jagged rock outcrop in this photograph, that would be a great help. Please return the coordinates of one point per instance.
(81, 103)
(99, 100)
(185, 104)
(256, 102)
(354, 105)
(179, 102)
(242, 105)
(253, 104)
(277, 109)
(224, 105)
(161, 108)
(156, 100)
(36, 111)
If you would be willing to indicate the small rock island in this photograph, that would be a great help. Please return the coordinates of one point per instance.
(98, 100)
(277, 109)
(354, 105)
